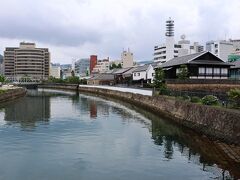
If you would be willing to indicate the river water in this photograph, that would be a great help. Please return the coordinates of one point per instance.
(67, 136)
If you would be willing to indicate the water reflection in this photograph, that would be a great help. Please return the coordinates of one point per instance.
(28, 111)
(104, 134)
(221, 159)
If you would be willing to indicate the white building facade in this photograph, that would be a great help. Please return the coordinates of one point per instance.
(170, 49)
(221, 49)
(144, 73)
(102, 66)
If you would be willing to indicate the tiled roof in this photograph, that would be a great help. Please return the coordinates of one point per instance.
(103, 77)
(122, 70)
(182, 59)
(142, 68)
(129, 72)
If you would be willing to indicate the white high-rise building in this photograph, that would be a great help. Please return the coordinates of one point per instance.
(170, 49)
(221, 49)
(169, 39)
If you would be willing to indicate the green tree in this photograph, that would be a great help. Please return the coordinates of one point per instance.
(183, 72)
(113, 66)
(159, 78)
(159, 81)
(2, 79)
(119, 65)
(73, 80)
(234, 95)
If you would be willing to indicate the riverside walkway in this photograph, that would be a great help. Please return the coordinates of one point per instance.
(122, 89)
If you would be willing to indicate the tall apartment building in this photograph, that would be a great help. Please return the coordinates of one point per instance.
(170, 49)
(1, 64)
(127, 59)
(26, 61)
(82, 67)
(221, 49)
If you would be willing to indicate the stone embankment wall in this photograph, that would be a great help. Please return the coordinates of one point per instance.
(223, 88)
(12, 94)
(218, 123)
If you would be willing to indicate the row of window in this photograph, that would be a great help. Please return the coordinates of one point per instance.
(203, 70)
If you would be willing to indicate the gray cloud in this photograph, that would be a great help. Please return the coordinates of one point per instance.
(78, 28)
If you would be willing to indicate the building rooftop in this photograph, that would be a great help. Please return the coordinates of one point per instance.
(104, 76)
(122, 70)
(142, 68)
(196, 58)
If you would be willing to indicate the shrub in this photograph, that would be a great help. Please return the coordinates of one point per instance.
(163, 90)
(195, 99)
(2, 91)
(234, 95)
(186, 98)
(210, 100)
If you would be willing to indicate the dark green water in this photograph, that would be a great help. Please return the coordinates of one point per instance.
(65, 136)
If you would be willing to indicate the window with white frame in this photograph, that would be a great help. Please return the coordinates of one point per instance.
(134, 74)
(216, 70)
(201, 70)
(138, 74)
(209, 71)
(224, 71)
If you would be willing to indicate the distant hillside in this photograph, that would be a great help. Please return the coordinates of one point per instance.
(144, 62)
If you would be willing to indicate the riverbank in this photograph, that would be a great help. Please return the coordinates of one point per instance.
(218, 123)
(8, 93)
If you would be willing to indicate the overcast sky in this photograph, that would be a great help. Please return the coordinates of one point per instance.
(78, 28)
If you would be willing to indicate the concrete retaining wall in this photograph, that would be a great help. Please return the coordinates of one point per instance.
(218, 123)
(12, 94)
(59, 86)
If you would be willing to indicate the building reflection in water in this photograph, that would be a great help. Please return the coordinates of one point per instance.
(199, 150)
(93, 109)
(28, 111)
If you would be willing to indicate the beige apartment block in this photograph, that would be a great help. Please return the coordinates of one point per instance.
(127, 59)
(26, 62)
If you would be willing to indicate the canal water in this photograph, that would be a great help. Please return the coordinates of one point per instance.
(67, 136)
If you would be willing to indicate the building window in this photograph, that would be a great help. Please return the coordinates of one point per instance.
(216, 71)
(134, 74)
(224, 71)
(138, 74)
(201, 70)
(209, 71)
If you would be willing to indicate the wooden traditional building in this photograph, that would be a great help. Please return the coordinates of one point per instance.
(203, 65)
(235, 70)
